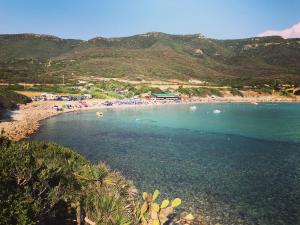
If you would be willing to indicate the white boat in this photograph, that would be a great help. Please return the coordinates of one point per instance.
(216, 111)
(254, 103)
(193, 107)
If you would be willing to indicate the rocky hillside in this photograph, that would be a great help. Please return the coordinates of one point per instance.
(44, 58)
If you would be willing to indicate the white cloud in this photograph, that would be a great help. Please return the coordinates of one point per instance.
(291, 32)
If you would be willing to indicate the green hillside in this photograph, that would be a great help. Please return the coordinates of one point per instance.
(42, 58)
(33, 46)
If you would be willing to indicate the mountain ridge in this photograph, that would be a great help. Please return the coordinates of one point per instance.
(152, 55)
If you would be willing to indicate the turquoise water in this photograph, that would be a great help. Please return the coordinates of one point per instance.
(241, 166)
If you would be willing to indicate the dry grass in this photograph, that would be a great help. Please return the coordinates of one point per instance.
(30, 93)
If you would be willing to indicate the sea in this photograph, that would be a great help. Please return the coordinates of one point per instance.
(231, 163)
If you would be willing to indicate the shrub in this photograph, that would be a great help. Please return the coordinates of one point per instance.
(297, 92)
(146, 89)
(236, 92)
(10, 99)
(38, 181)
(200, 91)
(55, 89)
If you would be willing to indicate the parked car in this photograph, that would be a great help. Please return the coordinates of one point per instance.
(108, 103)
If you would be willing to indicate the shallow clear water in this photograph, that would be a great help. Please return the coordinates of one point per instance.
(241, 166)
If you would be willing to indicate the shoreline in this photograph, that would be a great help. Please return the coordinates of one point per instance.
(26, 121)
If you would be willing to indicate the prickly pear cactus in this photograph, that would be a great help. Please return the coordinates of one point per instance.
(153, 213)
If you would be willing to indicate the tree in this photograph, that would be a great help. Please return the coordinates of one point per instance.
(278, 84)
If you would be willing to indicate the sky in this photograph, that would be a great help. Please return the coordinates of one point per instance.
(86, 19)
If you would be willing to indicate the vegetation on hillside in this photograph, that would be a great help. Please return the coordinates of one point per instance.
(9, 100)
(100, 89)
(200, 91)
(108, 89)
(55, 88)
(48, 59)
(236, 92)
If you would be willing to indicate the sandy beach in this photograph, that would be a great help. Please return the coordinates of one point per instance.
(26, 120)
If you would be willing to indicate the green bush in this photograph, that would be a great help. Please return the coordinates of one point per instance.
(36, 178)
(146, 89)
(263, 89)
(70, 89)
(236, 92)
(297, 92)
(200, 91)
(10, 99)
(15, 87)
